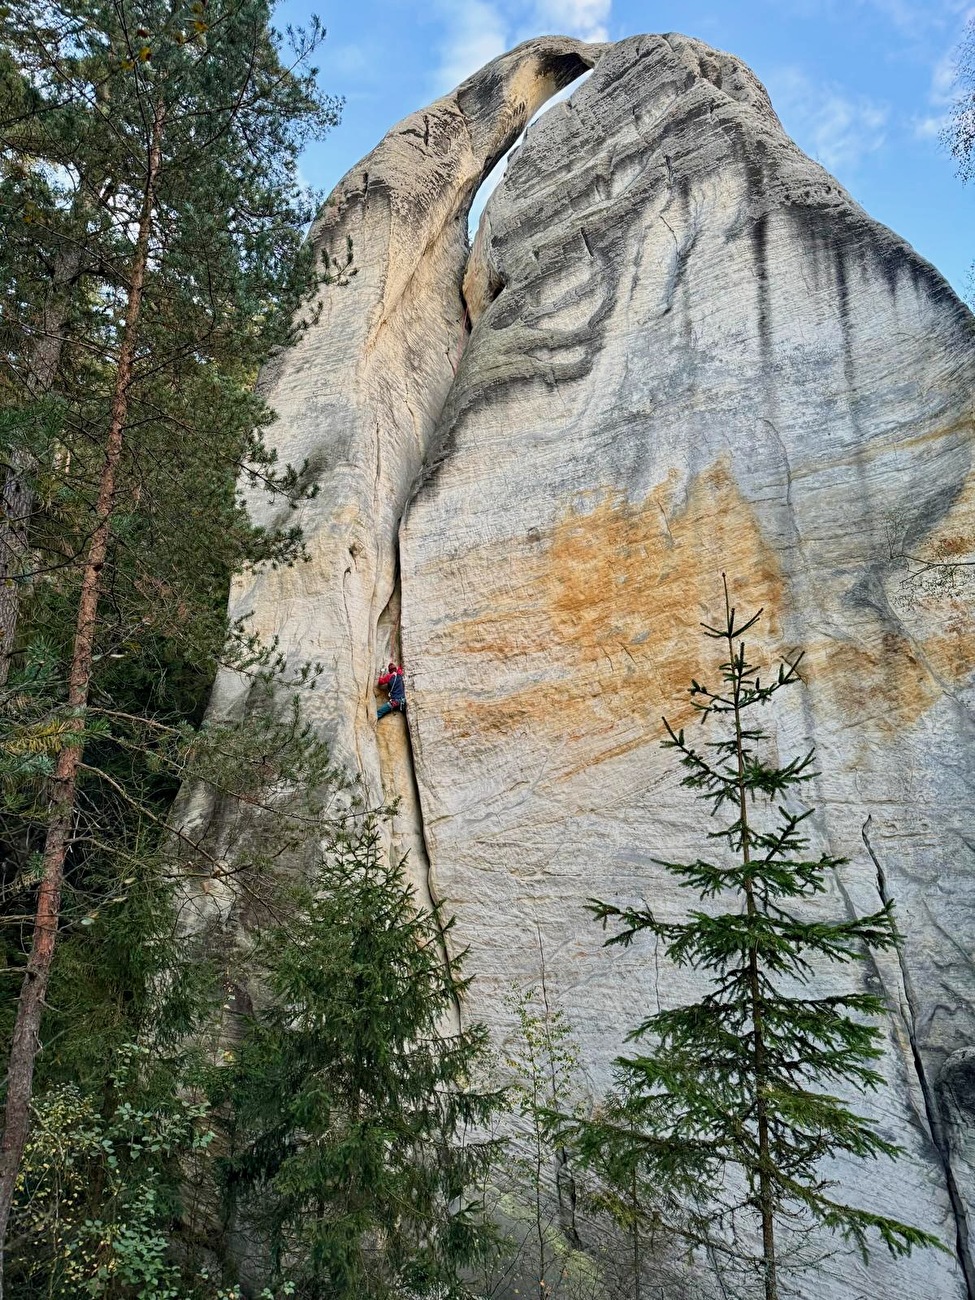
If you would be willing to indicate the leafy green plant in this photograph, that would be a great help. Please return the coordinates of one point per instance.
(99, 1185)
(542, 1060)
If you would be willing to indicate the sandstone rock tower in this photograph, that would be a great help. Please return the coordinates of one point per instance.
(677, 348)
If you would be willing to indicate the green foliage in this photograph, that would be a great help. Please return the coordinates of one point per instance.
(129, 966)
(648, 1187)
(543, 1060)
(353, 1100)
(122, 1144)
(78, 86)
(85, 92)
(226, 273)
(114, 1170)
(31, 733)
(105, 1175)
(737, 1078)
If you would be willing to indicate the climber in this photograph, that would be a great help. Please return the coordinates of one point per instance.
(392, 680)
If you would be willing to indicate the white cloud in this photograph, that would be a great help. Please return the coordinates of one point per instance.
(915, 20)
(944, 77)
(842, 129)
(475, 33)
(836, 129)
(845, 130)
(944, 82)
(586, 19)
(909, 18)
(929, 125)
(348, 60)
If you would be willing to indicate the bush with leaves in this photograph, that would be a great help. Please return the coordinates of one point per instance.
(99, 1186)
(535, 1180)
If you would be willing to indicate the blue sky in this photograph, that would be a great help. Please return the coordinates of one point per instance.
(861, 85)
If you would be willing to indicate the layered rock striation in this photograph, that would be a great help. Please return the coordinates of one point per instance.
(691, 354)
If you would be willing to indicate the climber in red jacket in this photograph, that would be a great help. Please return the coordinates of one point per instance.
(393, 682)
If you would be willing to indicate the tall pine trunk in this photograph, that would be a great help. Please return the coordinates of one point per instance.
(765, 1192)
(17, 501)
(25, 1043)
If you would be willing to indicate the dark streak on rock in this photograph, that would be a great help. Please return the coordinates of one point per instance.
(846, 326)
(928, 1093)
(759, 240)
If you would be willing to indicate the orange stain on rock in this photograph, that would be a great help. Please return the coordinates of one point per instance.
(887, 682)
(590, 632)
(949, 647)
(597, 622)
(954, 538)
(885, 677)
(883, 686)
(951, 651)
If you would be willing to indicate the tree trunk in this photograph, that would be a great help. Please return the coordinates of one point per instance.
(765, 1193)
(765, 1196)
(17, 501)
(25, 1043)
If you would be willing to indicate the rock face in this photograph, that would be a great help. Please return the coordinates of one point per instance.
(692, 353)
(358, 398)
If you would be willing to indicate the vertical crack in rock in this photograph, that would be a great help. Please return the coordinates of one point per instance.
(407, 834)
(359, 393)
(931, 1107)
(429, 895)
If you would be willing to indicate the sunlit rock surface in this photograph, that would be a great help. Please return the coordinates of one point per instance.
(695, 354)
(357, 399)
(692, 353)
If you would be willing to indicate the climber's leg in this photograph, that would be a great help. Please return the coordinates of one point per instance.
(383, 710)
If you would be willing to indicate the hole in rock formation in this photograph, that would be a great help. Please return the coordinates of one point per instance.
(483, 280)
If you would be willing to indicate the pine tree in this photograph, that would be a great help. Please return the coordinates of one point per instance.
(45, 227)
(352, 1101)
(114, 1177)
(179, 127)
(740, 1077)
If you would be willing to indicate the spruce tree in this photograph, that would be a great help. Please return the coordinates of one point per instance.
(353, 1101)
(743, 1077)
